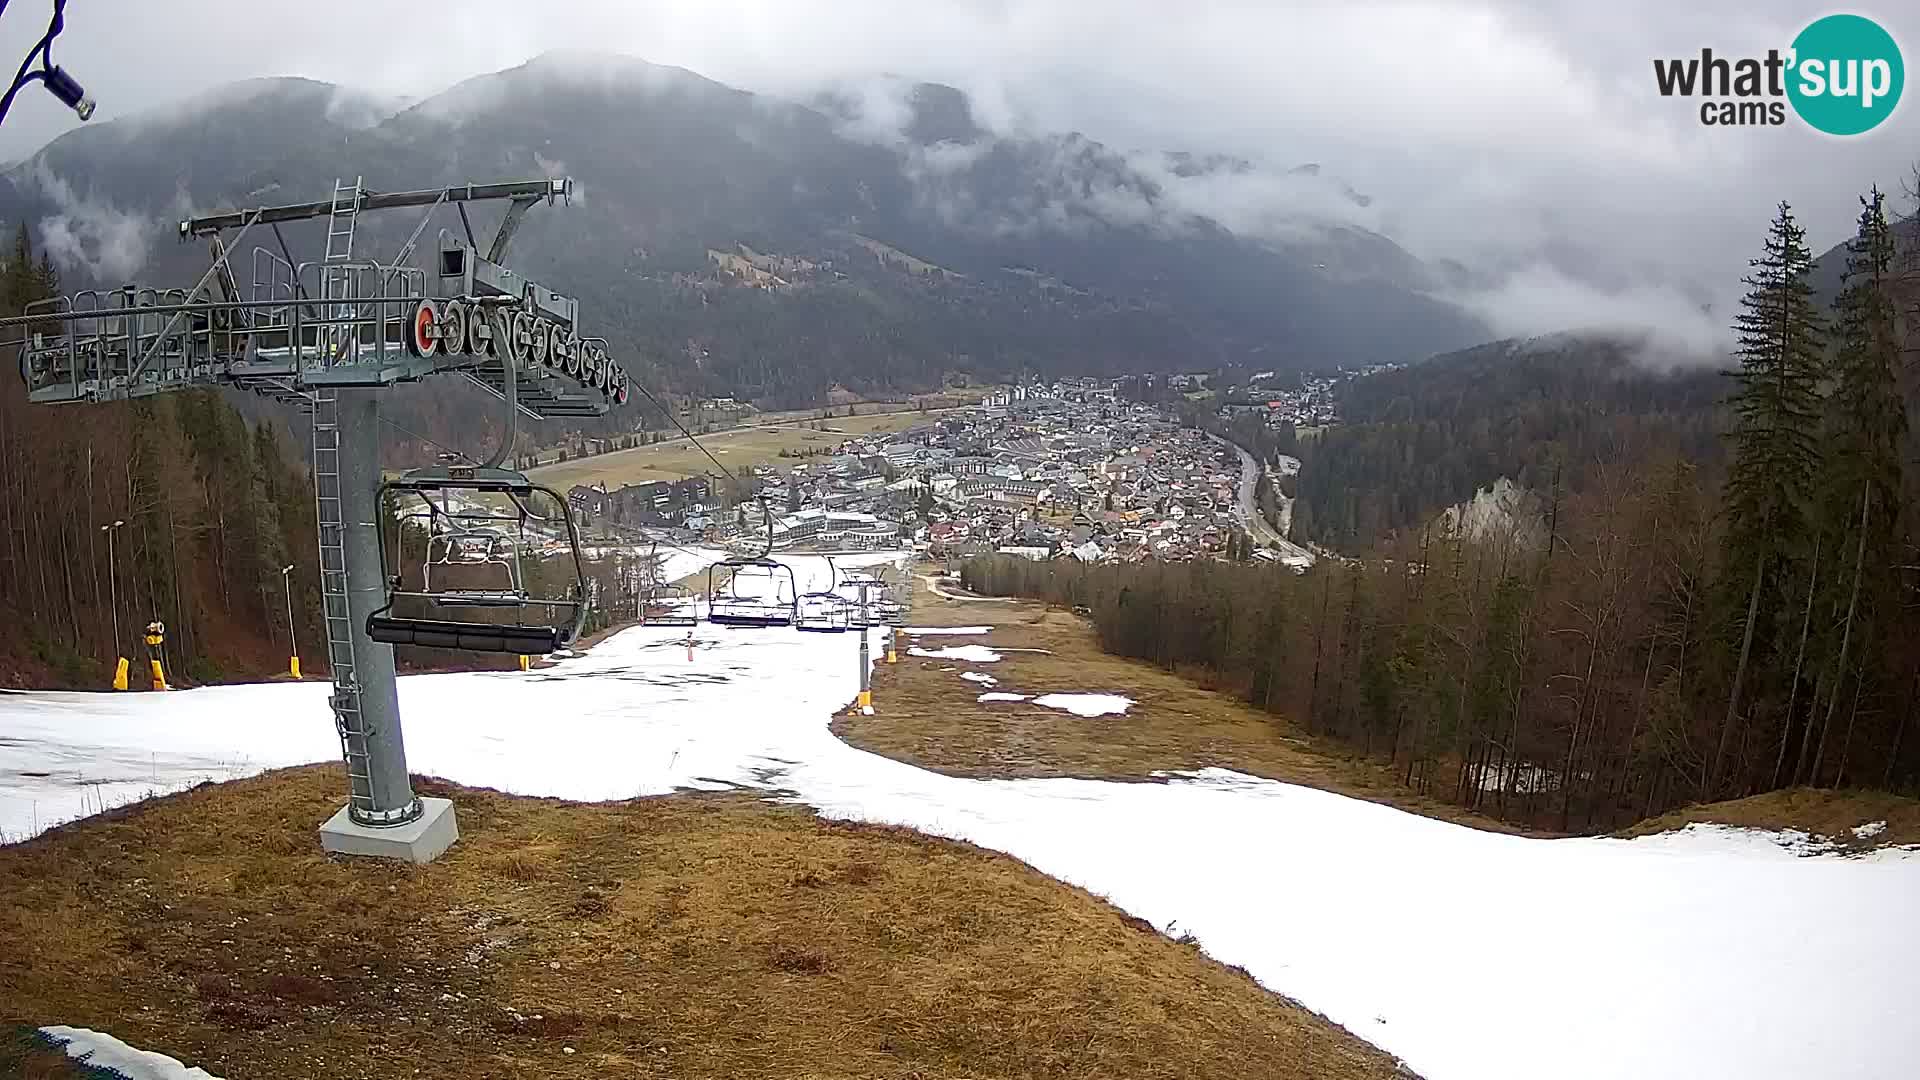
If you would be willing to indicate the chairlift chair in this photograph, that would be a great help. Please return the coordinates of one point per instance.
(481, 528)
(850, 587)
(734, 607)
(824, 613)
(669, 605)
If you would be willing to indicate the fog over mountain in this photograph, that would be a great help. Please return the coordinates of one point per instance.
(1517, 149)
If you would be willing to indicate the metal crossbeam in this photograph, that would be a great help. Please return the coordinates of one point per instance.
(534, 190)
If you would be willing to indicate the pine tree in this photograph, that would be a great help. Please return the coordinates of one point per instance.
(1861, 485)
(1776, 455)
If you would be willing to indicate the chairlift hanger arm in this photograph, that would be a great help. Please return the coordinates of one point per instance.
(528, 190)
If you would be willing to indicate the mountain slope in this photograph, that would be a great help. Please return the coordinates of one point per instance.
(1418, 439)
(729, 242)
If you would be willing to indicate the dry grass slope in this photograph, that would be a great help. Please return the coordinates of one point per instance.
(686, 936)
(1829, 814)
(930, 716)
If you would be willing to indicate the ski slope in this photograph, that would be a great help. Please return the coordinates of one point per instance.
(1472, 956)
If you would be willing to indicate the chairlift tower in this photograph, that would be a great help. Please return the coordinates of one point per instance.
(327, 336)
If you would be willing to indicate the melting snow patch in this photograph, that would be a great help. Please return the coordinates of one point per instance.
(964, 630)
(631, 718)
(978, 654)
(1870, 830)
(1085, 704)
(975, 676)
(106, 1052)
(999, 696)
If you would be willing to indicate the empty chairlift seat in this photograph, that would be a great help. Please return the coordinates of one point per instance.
(823, 613)
(669, 605)
(756, 592)
(495, 556)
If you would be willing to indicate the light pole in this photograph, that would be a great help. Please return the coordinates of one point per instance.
(113, 602)
(293, 643)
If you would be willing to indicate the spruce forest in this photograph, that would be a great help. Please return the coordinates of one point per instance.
(1693, 619)
(172, 508)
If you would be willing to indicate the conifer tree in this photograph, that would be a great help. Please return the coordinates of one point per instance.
(1865, 426)
(1770, 483)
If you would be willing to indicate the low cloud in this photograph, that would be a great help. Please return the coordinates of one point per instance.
(1676, 331)
(1076, 181)
(1257, 202)
(562, 69)
(91, 236)
(875, 111)
(359, 109)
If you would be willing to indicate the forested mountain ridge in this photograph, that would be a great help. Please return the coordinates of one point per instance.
(730, 243)
(1541, 412)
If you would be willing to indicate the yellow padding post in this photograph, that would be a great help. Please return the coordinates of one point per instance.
(156, 637)
(120, 674)
(293, 666)
(525, 665)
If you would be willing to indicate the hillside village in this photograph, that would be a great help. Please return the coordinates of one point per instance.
(1067, 469)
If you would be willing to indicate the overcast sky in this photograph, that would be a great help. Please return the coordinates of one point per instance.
(1489, 131)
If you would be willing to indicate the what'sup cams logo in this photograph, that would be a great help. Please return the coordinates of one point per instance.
(1842, 75)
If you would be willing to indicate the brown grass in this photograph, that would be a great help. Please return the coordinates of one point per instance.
(1831, 815)
(746, 446)
(931, 717)
(686, 936)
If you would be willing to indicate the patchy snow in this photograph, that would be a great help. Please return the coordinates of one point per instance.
(1379, 919)
(684, 561)
(997, 695)
(106, 1052)
(973, 654)
(934, 585)
(959, 630)
(1870, 830)
(1785, 843)
(1085, 704)
(982, 679)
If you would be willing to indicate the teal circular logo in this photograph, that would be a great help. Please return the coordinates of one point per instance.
(1845, 75)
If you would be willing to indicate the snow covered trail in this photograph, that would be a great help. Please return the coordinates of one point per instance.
(1471, 955)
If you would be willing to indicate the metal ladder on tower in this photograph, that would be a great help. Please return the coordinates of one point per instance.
(333, 597)
(336, 279)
